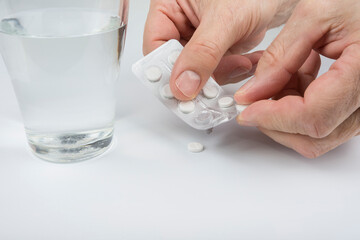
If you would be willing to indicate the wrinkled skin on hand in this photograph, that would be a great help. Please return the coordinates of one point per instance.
(218, 32)
(309, 114)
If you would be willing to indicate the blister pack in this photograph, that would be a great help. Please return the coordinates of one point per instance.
(209, 109)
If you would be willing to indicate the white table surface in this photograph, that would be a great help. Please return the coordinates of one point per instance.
(148, 186)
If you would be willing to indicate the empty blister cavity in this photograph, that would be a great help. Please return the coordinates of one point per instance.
(166, 92)
(204, 118)
(153, 74)
(187, 107)
(226, 102)
(173, 57)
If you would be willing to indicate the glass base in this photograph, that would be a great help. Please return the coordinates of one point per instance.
(70, 147)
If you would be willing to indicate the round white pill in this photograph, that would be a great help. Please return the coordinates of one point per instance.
(210, 92)
(187, 107)
(241, 108)
(226, 102)
(173, 57)
(153, 74)
(166, 92)
(195, 147)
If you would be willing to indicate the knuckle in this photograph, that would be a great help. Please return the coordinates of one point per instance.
(318, 121)
(350, 127)
(273, 53)
(274, 57)
(269, 56)
(208, 49)
(311, 149)
(319, 128)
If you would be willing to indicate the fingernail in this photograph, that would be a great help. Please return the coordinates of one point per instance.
(239, 72)
(188, 83)
(245, 122)
(246, 87)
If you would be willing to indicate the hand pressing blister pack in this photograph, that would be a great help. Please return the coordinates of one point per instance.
(209, 109)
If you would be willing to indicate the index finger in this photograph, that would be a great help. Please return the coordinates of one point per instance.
(327, 102)
(166, 20)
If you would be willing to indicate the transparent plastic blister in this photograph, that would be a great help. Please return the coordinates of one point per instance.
(209, 109)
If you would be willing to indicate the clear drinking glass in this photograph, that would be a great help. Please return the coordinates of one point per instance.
(63, 57)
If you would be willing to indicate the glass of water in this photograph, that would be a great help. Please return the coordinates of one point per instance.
(63, 57)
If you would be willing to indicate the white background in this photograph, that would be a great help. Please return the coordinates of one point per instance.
(148, 186)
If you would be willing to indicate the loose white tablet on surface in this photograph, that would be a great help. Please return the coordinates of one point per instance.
(187, 107)
(226, 102)
(166, 92)
(153, 74)
(195, 147)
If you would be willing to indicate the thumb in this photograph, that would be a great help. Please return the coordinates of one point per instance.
(199, 59)
(283, 58)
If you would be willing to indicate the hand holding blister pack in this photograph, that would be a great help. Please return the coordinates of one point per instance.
(209, 109)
